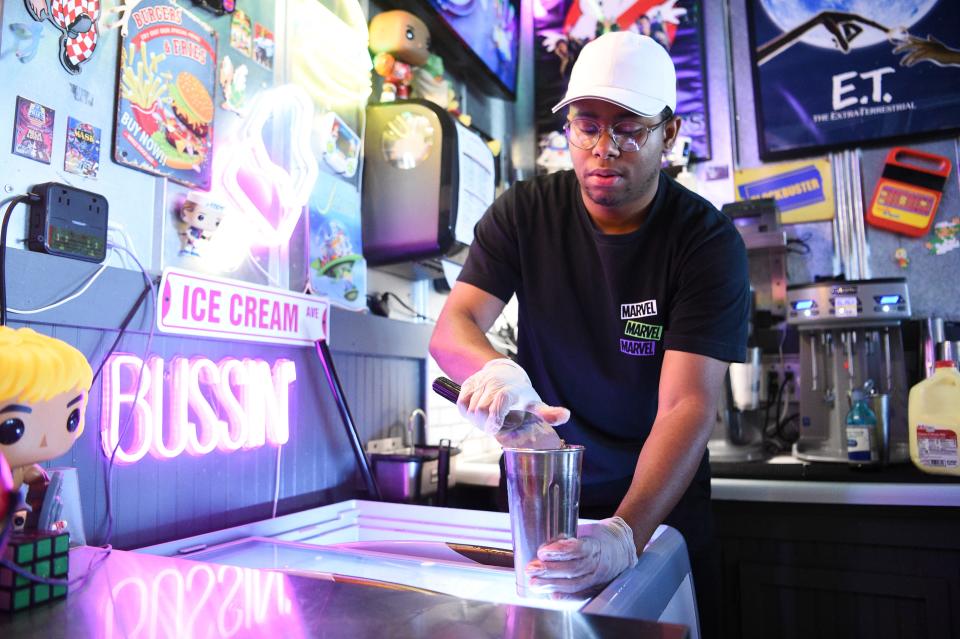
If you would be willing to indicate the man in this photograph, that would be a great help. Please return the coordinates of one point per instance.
(633, 296)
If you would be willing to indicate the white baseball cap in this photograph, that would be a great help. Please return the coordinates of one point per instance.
(628, 69)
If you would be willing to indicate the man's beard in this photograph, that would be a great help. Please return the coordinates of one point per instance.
(630, 192)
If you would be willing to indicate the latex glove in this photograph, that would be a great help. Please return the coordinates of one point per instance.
(600, 552)
(499, 387)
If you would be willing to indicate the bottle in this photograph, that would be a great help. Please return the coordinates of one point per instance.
(862, 437)
(934, 416)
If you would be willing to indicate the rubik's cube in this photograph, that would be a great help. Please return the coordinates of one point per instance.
(41, 553)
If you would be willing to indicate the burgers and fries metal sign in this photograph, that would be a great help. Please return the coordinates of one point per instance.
(165, 104)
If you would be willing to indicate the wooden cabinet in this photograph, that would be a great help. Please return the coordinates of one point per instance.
(839, 570)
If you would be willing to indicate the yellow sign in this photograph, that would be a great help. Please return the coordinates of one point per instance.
(803, 190)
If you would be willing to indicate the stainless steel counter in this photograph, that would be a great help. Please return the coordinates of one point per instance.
(785, 479)
(140, 595)
(833, 492)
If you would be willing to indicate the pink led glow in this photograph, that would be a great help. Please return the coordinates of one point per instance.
(227, 406)
(113, 397)
(202, 600)
(271, 196)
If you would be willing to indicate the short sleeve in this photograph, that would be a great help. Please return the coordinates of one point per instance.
(493, 263)
(709, 310)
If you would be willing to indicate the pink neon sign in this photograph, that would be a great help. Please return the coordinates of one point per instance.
(272, 196)
(200, 600)
(204, 406)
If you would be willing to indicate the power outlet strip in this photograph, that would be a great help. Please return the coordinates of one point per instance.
(774, 373)
(69, 222)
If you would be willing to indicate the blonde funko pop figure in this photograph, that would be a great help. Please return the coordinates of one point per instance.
(43, 397)
(399, 41)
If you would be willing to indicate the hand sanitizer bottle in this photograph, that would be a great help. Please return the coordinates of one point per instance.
(862, 436)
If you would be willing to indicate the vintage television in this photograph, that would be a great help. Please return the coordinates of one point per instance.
(427, 180)
(478, 40)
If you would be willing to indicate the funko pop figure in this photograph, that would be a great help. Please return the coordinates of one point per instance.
(43, 397)
(200, 216)
(399, 41)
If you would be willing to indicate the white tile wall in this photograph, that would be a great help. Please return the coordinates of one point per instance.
(444, 422)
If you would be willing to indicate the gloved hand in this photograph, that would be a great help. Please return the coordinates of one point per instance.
(600, 552)
(499, 387)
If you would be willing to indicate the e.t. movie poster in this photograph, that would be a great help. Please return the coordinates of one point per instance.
(847, 72)
(168, 64)
(565, 26)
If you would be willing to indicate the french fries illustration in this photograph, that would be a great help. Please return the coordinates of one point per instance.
(146, 86)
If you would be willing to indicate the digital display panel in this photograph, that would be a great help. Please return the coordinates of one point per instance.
(845, 305)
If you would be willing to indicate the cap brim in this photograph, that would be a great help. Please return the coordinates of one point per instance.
(629, 100)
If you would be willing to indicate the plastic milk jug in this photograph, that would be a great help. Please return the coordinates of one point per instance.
(934, 415)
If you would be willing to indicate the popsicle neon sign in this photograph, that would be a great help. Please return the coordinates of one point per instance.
(234, 404)
(271, 196)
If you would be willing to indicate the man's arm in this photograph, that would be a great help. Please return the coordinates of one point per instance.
(690, 387)
(459, 342)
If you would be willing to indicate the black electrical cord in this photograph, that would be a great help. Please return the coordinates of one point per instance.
(389, 294)
(766, 413)
(781, 429)
(3, 254)
(108, 475)
(123, 329)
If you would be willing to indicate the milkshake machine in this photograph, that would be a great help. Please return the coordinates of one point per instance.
(850, 338)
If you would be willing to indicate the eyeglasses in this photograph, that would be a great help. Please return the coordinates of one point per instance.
(629, 137)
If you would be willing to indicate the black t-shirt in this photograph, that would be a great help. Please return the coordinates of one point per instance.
(597, 311)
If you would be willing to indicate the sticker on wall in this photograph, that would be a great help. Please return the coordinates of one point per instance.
(233, 81)
(241, 33)
(337, 269)
(803, 190)
(945, 237)
(263, 45)
(339, 144)
(27, 38)
(81, 95)
(165, 110)
(82, 155)
(33, 130)
(77, 21)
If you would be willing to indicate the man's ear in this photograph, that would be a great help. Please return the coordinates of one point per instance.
(670, 132)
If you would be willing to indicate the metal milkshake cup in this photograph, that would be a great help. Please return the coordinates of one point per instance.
(543, 493)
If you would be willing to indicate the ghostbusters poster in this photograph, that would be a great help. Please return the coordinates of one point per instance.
(565, 26)
(848, 72)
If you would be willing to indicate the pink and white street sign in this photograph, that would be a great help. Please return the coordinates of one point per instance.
(206, 306)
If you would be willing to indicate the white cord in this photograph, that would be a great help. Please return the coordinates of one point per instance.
(89, 282)
(276, 484)
(269, 277)
(108, 475)
(127, 241)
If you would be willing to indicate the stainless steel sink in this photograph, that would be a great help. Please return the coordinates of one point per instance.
(408, 473)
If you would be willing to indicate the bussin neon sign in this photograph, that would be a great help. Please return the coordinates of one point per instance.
(199, 600)
(199, 407)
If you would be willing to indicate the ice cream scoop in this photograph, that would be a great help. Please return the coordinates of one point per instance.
(521, 428)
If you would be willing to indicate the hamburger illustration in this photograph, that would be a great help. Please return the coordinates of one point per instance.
(184, 134)
(192, 103)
